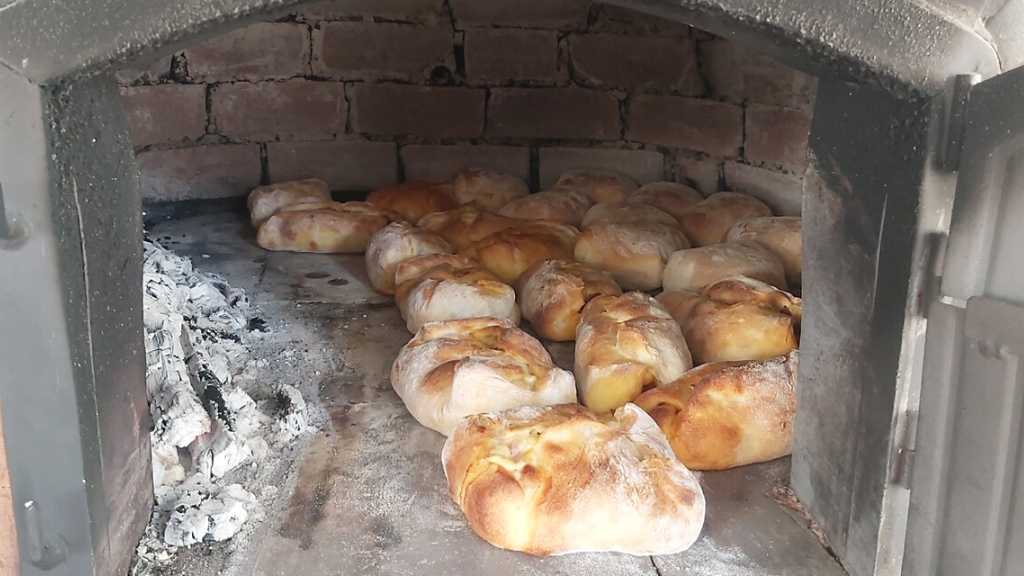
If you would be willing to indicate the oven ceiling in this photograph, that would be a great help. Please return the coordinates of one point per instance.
(901, 44)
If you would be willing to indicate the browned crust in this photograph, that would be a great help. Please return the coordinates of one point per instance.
(780, 234)
(728, 414)
(509, 252)
(324, 227)
(708, 221)
(599, 185)
(552, 294)
(466, 224)
(675, 199)
(628, 211)
(560, 204)
(413, 200)
(525, 477)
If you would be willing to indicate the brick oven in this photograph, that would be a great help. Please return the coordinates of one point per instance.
(890, 127)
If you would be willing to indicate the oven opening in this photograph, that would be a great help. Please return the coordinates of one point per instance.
(364, 101)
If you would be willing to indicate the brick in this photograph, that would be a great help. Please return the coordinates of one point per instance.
(565, 113)
(164, 113)
(354, 165)
(783, 193)
(637, 63)
(421, 11)
(397, 109)
(261, 51)
(292, 110)
(776, 134)
(701, 125)
(498, 55)
(442, 163)
(556, 14)
(144, 72)
(619, 20)
(704, 174)
(370, 51)
(200, 172)
(741, 74)
(642, 165)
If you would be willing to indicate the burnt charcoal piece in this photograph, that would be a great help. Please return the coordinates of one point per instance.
(257, 324)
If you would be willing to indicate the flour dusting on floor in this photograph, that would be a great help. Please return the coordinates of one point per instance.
(214, 414)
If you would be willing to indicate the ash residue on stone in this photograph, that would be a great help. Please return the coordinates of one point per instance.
(218, 420)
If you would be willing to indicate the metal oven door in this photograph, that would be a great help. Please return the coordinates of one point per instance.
(967, 498)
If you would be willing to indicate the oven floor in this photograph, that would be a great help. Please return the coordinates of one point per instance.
(368, 494)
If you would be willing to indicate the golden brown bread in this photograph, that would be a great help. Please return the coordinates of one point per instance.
(561, 204)
(728, 414)
(736, 319)
(697, 267)
(264, 201)
(707, 221)
(634, 252)
(466, 224)
(488, 189)
(395, 243)
(561, 479)
(452, 369)
(599, 185)
(625, 345)
(781, 235)
(675, 199)
(621, 212)
(413, 200)
(438, 287)
(509, 252)
(416, 268)
(323, 227)
(553, 292)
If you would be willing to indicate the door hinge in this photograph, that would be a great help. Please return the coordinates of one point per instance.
(933, 258)
(901, 470)
(954, 120)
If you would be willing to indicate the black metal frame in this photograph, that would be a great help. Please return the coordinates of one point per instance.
(71, 352)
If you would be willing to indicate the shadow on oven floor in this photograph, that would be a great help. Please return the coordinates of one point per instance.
(368, 494)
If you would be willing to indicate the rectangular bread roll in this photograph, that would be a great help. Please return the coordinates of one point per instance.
(625, 345)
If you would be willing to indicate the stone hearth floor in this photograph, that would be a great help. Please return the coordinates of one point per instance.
(368, 494)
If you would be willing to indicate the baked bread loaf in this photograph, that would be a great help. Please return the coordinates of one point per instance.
(416, 268)
(561, 204)
(264, 201)
(509, 252)
(707, 221)
(675, 199)
(697, 267)
(414, 199)
(439, 287)
(625, 345)
(395, 243)
(781, 235)
(452, 369)
(553, 292)
(728, 414)
(561, 479)
(620, 212)
(488, 189)
(599, 185)
(634, 252)
(323, 227)
(466, 224)
(736, 319)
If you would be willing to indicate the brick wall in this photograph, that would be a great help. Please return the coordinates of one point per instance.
(366, 93)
